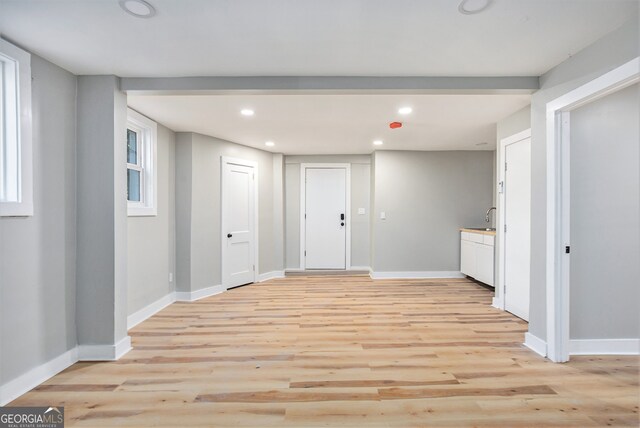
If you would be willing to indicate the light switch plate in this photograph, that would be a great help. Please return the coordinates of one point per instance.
(383, 215)
(361, 211)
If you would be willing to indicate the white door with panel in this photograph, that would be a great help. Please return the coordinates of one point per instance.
(325, 218)
(517, 206)
(238, 223)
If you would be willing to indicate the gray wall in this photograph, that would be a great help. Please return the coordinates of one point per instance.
(514, 124)
(37, 254)
(427, 197)
(101, 268)
(151, 239)
(605, 217)
(198, 174)
(360, 195)
(604, 55)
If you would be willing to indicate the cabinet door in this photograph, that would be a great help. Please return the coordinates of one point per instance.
(468, 258)
(484, 255)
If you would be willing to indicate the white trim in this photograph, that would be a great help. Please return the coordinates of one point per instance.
(604, 347)
(148, 130)
(536, 344)
(22, 132)
(303, 172)
(498, 300)
(362, 268)
(104, 352)
(256, 213)
(151, 309)
(192, 296)
(417, 275)
(270, 275)
(36, 376)
(557, 169)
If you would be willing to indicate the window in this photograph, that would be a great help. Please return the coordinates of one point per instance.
(16, 167)
(141, 140)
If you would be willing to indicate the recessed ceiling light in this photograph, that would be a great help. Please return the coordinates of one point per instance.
(138, 8)
(378, 143)
(470, 7)
(270, 144)
(247, 112)
(405, 110)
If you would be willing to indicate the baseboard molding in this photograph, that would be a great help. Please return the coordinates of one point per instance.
(497, 303)
(36, 376)
(536, 344)
(604, 347)
(191, 296)
(416, 275)
(104, 352)
(148, 311)
(360, 268)
(270, 275)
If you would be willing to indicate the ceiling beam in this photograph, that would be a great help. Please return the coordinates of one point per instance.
(324, 85)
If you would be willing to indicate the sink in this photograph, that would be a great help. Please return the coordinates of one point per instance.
(484, 229)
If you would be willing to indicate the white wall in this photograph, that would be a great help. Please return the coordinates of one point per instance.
(427, 197)
(360, 195)
(605, 218)
(38, 253)
(604, 55)
(151, 240)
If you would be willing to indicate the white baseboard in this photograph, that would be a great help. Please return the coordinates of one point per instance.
(363, 268)
(536, 344)
(416, 275)
(604, 347)
(34, 377)
(137, 317)
(270, 275)
(496, 302)
(104, 352)
(191, 296)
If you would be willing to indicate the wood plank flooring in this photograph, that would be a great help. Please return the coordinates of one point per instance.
(341, 351)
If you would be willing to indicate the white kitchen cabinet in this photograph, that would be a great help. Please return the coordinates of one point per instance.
(477, 256)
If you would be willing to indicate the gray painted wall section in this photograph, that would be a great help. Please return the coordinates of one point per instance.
(427, 197)
(278, 212)
(151, 239)
(604, 55)
(203, 235)
(101, 212)
(605, 218)
(183, 160)
(360, 195)
(37, 254)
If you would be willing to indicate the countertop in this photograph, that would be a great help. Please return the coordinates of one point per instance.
(481, 232)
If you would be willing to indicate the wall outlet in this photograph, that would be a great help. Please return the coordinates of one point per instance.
(361, 211)
(170, 276)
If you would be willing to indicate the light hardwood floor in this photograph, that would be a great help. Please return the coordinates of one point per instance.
(341, 351)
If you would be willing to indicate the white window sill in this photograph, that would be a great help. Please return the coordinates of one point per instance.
(16, 209)
(142, 211)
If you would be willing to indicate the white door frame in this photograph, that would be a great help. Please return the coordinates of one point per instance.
(303, 186)
(498, 301)
(223, 238)
(558, 200)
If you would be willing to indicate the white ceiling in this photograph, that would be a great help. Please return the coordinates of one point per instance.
(310, 37)
(337, 124)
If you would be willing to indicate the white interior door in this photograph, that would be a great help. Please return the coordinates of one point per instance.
(517, 188)
(325, 218)
(238, 224)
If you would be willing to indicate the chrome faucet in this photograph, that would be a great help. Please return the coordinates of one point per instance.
(486, 217)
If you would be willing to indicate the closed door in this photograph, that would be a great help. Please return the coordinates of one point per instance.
(325, 218)
(238, 224)
(518, 227)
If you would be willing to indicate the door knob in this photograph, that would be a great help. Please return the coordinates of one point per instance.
(341, 224)
(229, 235)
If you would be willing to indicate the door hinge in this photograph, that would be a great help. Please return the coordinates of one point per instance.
(305, 216)
(254, 268)
(305, 253)
(505, 228)
(505, 166)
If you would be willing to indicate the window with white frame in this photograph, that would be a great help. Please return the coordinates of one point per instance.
(141, 141)
(16, 166)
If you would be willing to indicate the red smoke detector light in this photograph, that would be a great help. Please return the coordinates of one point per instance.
(395, 125)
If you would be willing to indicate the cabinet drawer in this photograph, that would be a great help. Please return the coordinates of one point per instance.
(489, 239)
(465, 236)
(476, 237)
